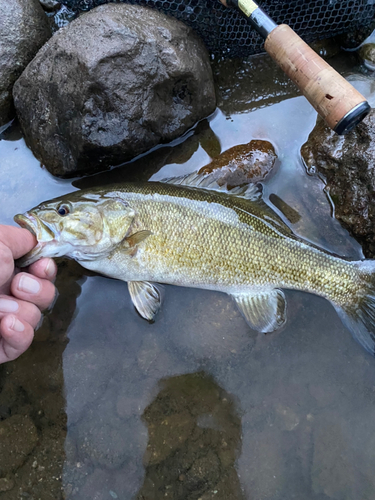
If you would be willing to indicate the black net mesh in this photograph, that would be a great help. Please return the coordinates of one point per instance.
(227, 33)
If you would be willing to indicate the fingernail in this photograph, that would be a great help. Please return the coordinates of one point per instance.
(28, 284)
(8, 306)
(50, 269)
(16, 325)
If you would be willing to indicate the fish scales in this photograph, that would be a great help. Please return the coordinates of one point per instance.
(216, 243)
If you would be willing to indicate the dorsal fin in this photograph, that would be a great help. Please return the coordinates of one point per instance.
(251, 192)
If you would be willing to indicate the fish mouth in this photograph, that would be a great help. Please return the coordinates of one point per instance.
(27, 222)
(42, 233)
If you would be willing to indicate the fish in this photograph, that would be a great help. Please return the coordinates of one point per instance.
(190, 231)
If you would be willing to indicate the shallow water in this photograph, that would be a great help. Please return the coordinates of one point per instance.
(194, 406)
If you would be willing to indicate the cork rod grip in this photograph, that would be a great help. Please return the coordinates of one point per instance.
(327, 91)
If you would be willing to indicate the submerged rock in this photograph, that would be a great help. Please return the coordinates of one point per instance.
(117, 81)
(194, 439)
(251, 162)
(24, 28)
(348, 165)
(367, 54)
(18, 438)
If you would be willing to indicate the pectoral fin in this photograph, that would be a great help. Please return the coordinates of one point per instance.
(130, 243)
(265, 311)
(147, 297)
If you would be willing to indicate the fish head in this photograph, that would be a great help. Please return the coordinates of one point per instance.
(81, 226)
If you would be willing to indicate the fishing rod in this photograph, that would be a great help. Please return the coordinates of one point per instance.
(333, 97)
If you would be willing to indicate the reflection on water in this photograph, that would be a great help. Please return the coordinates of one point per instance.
(201, 141)
(195, 406)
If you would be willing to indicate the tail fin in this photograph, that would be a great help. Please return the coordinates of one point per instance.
(359, 317)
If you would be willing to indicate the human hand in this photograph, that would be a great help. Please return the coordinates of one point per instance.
(23, 295)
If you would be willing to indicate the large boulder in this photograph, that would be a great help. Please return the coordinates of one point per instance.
(117, 81)
(348, 166)
(24, 28)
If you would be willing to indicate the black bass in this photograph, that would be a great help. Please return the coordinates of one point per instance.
(189, 231)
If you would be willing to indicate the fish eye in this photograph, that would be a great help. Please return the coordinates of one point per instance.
(63, 210)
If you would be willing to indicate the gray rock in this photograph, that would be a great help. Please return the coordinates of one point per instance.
(348, 165)
(18, 437)
(105, 440)
(24, 28)
(367, 54)
(49, 4)
(114, 83)
(82, 384)
(225, 333)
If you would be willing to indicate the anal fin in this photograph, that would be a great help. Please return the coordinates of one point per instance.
(263, 311)
(146, 297)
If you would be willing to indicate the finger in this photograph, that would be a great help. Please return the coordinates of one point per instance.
(44, 268)
(18, 240)
(15, 337)
(40, 292)
(5, 286)
(23, 310)
(6, 264)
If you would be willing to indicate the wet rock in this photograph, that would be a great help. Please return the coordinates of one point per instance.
(83, 384)
(167, 436)
(6, 484)
(98, 486)
(24, 28)
(49, 4)
(367, 54)
(105, 440)
(352, 39)
(348, 165)
(114, 83)
(212, 327)
(194, 438)
(107, 485)
(18, 437)
(111, 444)
(251, 162)
(35, 433)
(153, 361)
(326, 48)
(338, 468)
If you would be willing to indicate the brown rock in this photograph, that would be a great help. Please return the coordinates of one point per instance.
(6, 484)
(348, 165)
(194, 436)
(251, 162)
